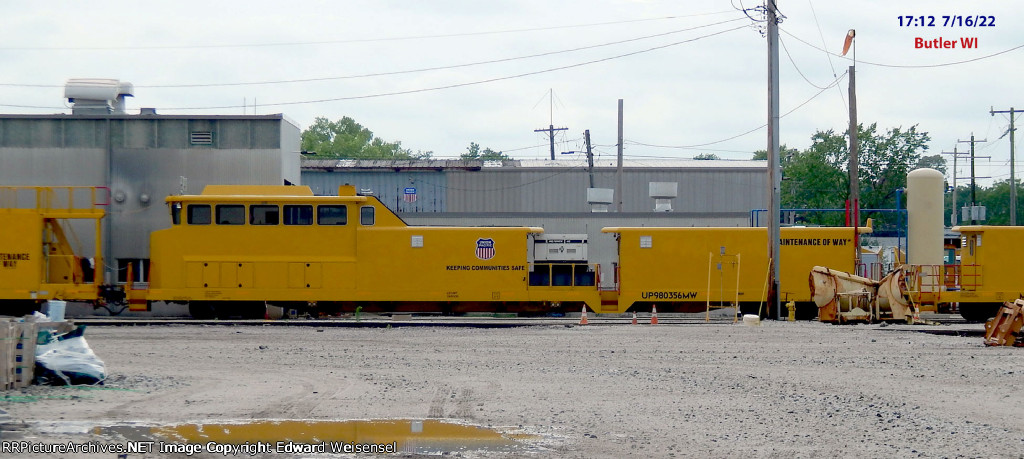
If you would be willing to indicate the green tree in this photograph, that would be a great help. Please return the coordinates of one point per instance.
(347, 139)
(818, 177)
(784, 152)
(473, 153)
(706, 156)
(936, 162)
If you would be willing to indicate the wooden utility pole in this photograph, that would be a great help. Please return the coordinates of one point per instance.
(1013, 179)
(590, 156)
(618, 170)
(854, 168)
(774, 167)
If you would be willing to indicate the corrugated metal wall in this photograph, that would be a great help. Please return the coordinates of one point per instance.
(388, 186)
(565, 190)
(736, 189)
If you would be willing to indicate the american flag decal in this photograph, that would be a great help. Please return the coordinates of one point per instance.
(485, 248)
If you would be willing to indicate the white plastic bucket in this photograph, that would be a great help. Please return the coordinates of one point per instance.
(55, 310)
(751, 320)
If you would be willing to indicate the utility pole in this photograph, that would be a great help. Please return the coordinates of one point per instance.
(1013, 179)
(618, 170)
(590, 156)
(956, 154)
(854, 168)
(774, 168)
(974, 188)
(551, 127)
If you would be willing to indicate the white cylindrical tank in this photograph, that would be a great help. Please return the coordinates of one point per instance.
(924, 217)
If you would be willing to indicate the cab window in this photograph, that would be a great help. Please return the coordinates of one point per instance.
(298, 215)
(199, 214)
(230, 214)
(264, 215)
(366, 215)
(176, 213)
(331, 215)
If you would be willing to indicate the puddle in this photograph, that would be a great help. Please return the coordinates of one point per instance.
(395, 435)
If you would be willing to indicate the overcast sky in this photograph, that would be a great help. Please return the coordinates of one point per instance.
(446, 73)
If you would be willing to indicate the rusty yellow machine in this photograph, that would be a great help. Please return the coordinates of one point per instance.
(988, 275)
(41, 257)
(1005, 328)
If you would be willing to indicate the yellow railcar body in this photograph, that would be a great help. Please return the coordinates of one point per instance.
(991, 268)
(37, 261)
(694, 266)
(366, 254)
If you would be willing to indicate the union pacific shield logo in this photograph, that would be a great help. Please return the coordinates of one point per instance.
(485, 248)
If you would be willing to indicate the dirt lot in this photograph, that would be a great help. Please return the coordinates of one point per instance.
(719, 390)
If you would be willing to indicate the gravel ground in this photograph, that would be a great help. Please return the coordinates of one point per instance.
(709, 390)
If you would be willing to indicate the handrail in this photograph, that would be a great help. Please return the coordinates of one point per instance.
(46, 198)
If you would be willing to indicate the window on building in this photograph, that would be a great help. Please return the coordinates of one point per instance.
(366, 215)
(139, 268)
(331, 215)
(264, 215)
(298, 215)
(230, 214)
(199, 214)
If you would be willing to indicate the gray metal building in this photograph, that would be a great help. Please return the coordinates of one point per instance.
(705, 187)
(142, 159)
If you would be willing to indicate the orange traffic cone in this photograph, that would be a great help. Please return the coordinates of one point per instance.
(583, 316)
(654, 315)
(634, 317)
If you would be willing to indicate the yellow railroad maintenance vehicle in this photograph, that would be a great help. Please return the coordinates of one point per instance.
(233, 250)
(691, 269)
(38, 260)
(989, 273)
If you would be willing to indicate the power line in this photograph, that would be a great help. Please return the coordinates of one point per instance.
(357, 40)
(834, 82)
(400, 72)
(827, 55)
(435, 88)
(791, 61)
(471, 83)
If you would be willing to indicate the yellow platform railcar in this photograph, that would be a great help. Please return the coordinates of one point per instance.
(234, 249)
(38, 261)
(689, 269)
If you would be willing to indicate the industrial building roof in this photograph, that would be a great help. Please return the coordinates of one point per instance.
(518, 164)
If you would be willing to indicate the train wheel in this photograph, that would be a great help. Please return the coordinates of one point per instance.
(979, 312)
(202, 310)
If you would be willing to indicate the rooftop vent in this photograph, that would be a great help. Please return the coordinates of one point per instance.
(663, 194)
(599, 198)
(97, 96)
